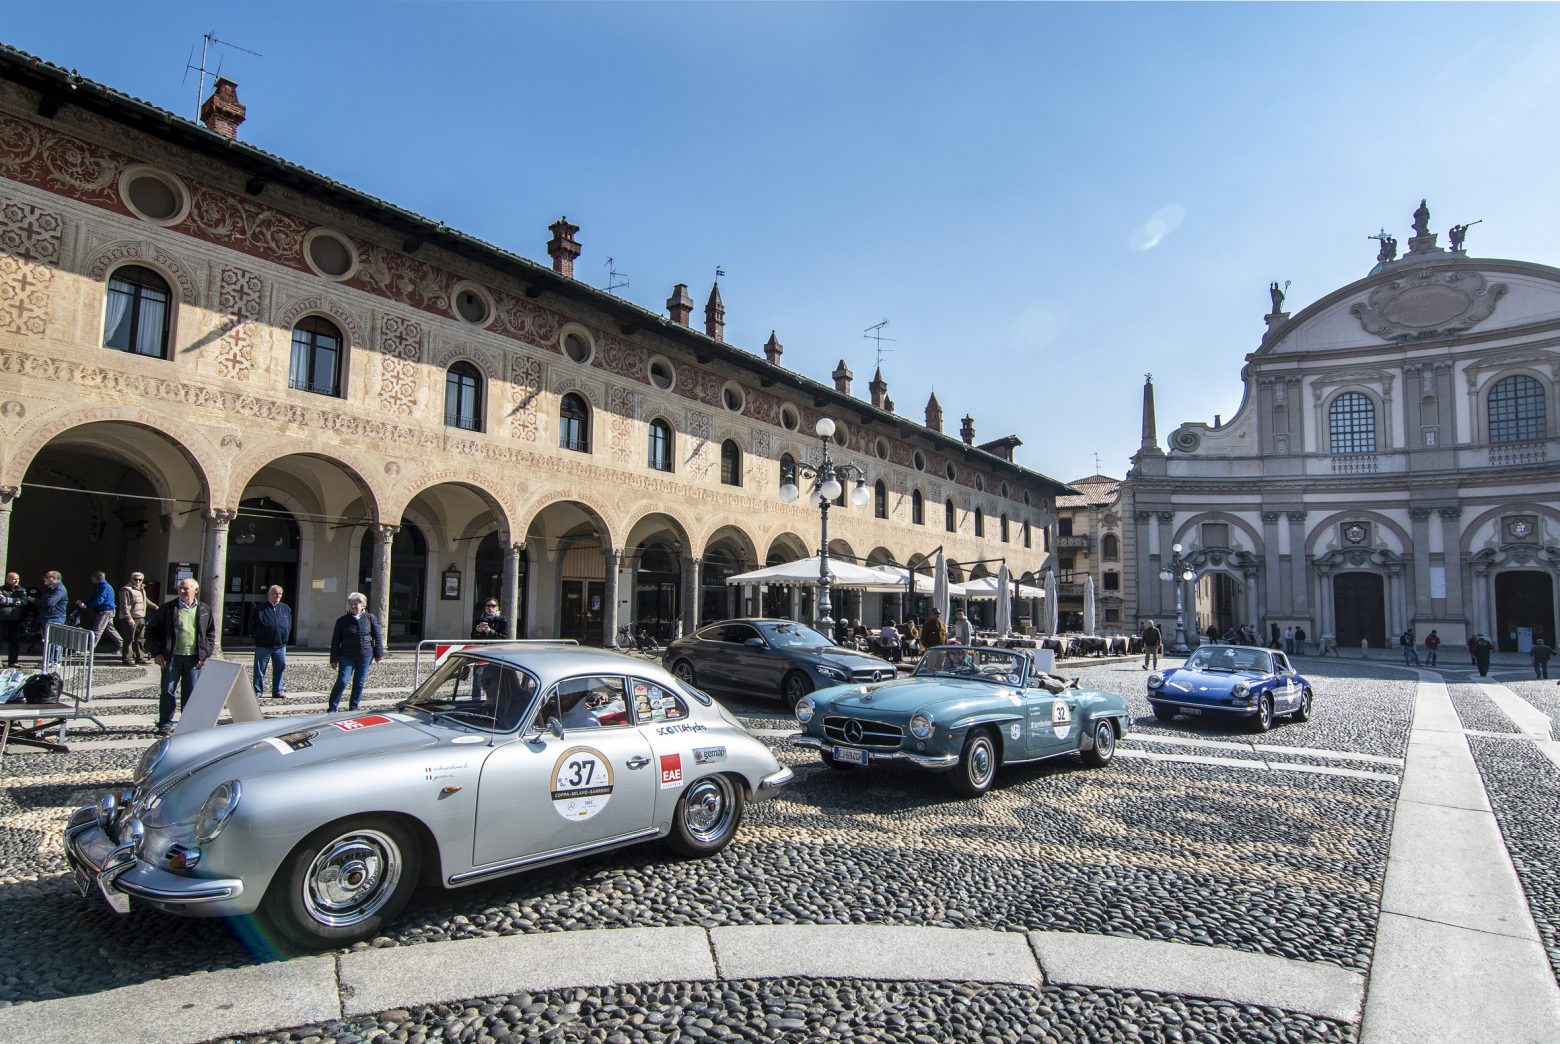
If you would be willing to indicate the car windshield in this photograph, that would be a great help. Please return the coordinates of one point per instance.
(792, 636)
(1002, 666)
(1230, 658)
(475, 692)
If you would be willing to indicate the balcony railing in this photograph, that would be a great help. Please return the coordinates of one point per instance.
(1508, 453)
(461, 420)
(1354, 464)
(1073, 541)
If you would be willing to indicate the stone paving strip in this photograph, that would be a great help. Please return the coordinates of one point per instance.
(312, 990)
(1457, 953)
(1531, 722)
(1250, 765)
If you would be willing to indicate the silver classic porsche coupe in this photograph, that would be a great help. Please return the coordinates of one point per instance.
(508, 757)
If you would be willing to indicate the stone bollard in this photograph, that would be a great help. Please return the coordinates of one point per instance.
(1364, 648)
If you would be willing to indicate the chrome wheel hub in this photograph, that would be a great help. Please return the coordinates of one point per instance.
(352, 878)
(707, 809)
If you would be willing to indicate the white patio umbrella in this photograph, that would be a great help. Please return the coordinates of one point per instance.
(1088, 604)
(941, 597)
(1004, 600)
(804, 573)
(1050, 601)
(899, 578)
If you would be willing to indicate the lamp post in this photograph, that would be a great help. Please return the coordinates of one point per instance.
(1182, 573)
(828, 480)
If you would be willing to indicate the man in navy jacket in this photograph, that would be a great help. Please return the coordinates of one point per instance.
(271, 629)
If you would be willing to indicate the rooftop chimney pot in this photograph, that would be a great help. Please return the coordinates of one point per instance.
(967, 430)
(680, 306)
(842, 378)
(773, 348)
(562, 247)
(934, 413)
(223, 112)
(715, 315)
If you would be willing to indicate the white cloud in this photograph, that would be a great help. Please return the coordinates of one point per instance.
(1150, 233)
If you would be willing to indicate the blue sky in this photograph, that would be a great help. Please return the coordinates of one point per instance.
(982, 176)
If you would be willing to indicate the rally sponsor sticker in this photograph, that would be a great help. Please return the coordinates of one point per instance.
(672, 730)
(708, 755)
(1016, 730)
(444, 770)
(293, 741)
(671, 771)
(581, 783)
(367, 721)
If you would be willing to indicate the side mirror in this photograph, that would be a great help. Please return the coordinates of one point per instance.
(555, 727)
(754, 643)
(1073, 684)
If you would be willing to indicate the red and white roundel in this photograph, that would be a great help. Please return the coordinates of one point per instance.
(367, 721)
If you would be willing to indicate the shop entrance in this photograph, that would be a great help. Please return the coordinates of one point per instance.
(583, 603)
(262, 551)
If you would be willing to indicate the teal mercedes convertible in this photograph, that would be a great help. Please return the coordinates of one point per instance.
(965, 712)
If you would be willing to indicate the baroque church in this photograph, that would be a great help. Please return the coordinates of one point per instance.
(1394, 464)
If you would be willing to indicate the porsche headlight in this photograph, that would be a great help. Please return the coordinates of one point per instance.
(920, 725)
(150, 760)
(217, 810)
(1156, 680)
(831, 672)
(804, 709)
(1240, 691)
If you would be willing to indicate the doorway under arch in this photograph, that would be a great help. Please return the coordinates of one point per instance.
(1360, 609)
(408, 581)
(1524, 600)
(263, 550)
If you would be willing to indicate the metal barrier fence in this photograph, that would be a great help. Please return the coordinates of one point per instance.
(442, 647)
(67, 651)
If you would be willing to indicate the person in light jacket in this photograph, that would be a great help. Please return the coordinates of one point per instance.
(130, 619)
(355, 642)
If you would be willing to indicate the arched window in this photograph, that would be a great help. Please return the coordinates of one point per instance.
(917, 509)
(316, 357)
(660, 454)
(787, 468)
(137, 316)
(1004, 529)
(1352, 421)
(1110, 547)
(463, 397)
(1517, 410)
(980, 522)
(574, 423)
(880, 499)
(950, 516)
(730, 464)
(1028, 539)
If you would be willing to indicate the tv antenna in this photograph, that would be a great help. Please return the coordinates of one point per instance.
(1097, 464)
(207, 41)
(615, 280)
(874, 333)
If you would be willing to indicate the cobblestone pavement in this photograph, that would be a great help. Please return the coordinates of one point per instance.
(1235, 856)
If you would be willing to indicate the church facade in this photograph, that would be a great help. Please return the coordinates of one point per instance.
(219, 364)
(1394, 464)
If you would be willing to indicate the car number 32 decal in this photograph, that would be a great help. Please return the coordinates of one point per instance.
(1061, 718)
(581, 783)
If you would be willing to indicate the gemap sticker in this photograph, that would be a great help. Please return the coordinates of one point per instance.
(708, 755)
(581, 783)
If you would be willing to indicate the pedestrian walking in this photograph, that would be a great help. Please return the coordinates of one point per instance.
(130, 618)
(181, 636)
(53, 602)
(1153, 644)
(1289, 640)
(1432, 643)
(1541, 652)
(1213, 634)
(1482, 647)
(963, 631)
(1299, 641)
(935, 632)
(491, 622)
(355, 642)
(98, 612)
(13, 608)
(272, 630)
(1273, 636)
(1473, 657)
(1410, 648)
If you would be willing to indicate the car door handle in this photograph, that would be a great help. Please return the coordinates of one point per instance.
(637, 763)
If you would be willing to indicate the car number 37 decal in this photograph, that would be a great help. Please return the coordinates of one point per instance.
(581, 783)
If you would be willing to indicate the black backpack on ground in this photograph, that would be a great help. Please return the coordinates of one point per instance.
(43, 688)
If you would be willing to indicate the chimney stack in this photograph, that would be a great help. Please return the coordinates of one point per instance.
(562, 247)
(934, 413)
(223, 112)
(888, 404)
(967, 431)
(879, 388)
(715, 315)
(773, 348)
(842, 376)
(679, 306)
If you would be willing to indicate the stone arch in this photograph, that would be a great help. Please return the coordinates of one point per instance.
(1191, 524)
(593, 508)
(739, 536)
(677, 524)
(502, 507)
(642, 509)
(318, 304)
(192, 443)
(787, 542)
(484, 359)
(1465, 539)
(149, 255)
(374, 495)
(881, 555)
(1321, 528)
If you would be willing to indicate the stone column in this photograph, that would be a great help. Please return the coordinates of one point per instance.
(796, 603)
(1166, 540)
(1482, 621)
(512, 555)
(1451, 556)
(1251, 600)
(379, 597)
(213, 584)
(612, 559)
(1298, 595)
(7, 494)
(1396, 624)
(693, 572)
(1419, 519)
(1324, 604)
(1270, 567)
(1147, 606)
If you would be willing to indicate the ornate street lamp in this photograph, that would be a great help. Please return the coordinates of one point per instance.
(1181, 573)
(828, 480)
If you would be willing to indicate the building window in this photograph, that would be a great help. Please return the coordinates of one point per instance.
(1004, 529)
(577, 347)
(1112, 581)
(463, 397)
(137, 319)
(880, 499)
(1112, 616)
(787, 468)
(661, 373)
(574, 423)
(980, 523)
(1028, 538)
(1110, 547)
(316, 357)
(1066, 563)
(1064, 526)
(950, 516)
(1517, 410)
(660, 455)
(732, 398)
(1352, 421)
(730, 464)
(917, 509)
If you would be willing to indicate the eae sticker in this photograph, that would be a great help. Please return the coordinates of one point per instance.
(1061, 718)
(671, 771)
(581, 783)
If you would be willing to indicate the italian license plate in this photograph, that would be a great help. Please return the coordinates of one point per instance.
(83, 880)
(850, 756)
(1193, 711)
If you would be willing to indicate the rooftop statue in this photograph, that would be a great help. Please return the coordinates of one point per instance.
(1388, 250)
(1422, 220)
(1277, 295)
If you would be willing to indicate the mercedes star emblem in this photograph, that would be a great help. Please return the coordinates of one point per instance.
(853, 731)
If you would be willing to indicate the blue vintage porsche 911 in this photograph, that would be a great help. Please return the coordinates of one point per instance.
(966, 712)
(1234, 680)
